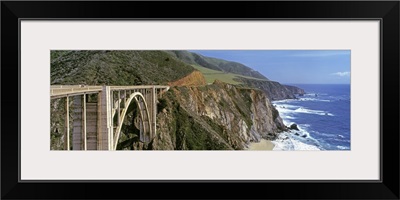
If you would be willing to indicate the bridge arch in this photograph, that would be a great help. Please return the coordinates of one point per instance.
(134, 96)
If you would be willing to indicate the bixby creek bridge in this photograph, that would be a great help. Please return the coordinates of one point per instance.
(98, 113)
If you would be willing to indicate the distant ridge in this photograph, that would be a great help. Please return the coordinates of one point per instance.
(217, 64)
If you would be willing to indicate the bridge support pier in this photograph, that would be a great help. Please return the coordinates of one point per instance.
(154, 111)
(66, 135)
(91, 123)
(79, 124)
(105, 126)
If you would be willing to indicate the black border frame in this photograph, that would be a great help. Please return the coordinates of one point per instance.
(385, 11)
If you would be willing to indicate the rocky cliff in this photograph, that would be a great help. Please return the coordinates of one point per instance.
(274, 90)
(217, 116)
(295, 90)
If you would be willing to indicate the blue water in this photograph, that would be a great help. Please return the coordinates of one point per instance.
(323, 117)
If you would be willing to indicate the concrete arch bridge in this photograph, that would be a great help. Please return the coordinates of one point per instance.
(97, 123)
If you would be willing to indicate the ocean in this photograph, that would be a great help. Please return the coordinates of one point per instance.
(322, 116)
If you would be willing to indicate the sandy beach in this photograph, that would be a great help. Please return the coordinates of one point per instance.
(262, 145)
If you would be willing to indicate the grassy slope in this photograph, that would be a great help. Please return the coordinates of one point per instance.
(216, 64)
(212, 75)
(116, 67)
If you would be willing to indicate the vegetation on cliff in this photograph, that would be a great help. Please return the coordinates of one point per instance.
(116, 67)
(216, 116)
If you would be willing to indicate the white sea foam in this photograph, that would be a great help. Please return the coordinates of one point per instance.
(314, 99)
(313, 94)
(286, 106)
(302, 146)
(343, 147)
(286, 142)
(283, 112)
(315, 112)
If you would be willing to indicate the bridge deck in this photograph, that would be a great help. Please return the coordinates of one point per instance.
(57, 91)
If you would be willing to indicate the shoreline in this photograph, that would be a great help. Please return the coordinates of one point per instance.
(294, 140)
(262, 145)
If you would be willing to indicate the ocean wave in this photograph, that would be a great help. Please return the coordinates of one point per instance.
(301, 139)
(284, 101)
(285, 112)
(313, 94)
(286, 142)
(286, 106)
(343, 147)
(287, 109)
(314, 99)
(337, 137)
(290, 117)
(309, 111)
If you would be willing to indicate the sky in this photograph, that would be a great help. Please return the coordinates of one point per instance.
(292, 66)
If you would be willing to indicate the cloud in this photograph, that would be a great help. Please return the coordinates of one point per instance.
(341, 74)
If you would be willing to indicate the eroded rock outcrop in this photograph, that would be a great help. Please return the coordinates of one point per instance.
(273, 89)
(216, 116)
(195, 78)
(295, 90)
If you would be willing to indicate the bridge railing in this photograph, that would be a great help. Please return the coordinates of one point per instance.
(62, 91)
(138, 87)
(58, 91)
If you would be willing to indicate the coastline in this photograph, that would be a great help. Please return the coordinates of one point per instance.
(262, 145)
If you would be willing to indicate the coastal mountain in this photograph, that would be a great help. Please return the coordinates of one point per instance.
(217, 64)
(195, 113)
(116, 67)
(239, 74)
(273, 89)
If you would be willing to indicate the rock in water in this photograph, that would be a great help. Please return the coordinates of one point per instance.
(294, 127)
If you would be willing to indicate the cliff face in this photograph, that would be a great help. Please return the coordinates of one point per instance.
(295, 90)
(274, 90)
(217, 116)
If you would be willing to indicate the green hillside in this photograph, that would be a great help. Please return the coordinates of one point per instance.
(116, 67)
(217, 64)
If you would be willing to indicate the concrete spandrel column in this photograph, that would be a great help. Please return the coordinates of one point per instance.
(105, 125)
(99, 133)
(154, 111)
(77, 124)
(91, 125)
(84, 133)
(66, 134)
